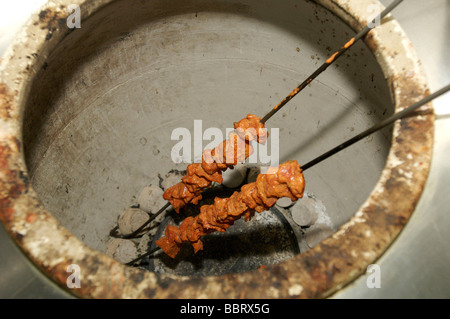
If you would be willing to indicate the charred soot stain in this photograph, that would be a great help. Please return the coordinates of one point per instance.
(124, 36)
(23, 176)
(19, 237)
(137, 277)
(51, 21)
(43, 15)
(149, 292)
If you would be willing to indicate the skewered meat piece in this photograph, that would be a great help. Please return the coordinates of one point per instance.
(250, 128)
(199, 176)
(285, 181)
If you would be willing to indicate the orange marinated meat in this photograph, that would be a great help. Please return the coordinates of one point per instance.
(285, 181)
(251, 129)
(199, 176)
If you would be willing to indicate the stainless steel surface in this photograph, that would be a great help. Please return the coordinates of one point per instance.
(415, 266)
(19, 278)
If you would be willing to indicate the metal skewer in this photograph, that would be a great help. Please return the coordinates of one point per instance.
(404, 113)
(113, 232)
(329, 61)
(154, 250)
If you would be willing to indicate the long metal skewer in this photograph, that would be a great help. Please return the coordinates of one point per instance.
(404, 113)
(113, 232)
(376, 127)
(154, 250)
(297, 90)
(329, 61)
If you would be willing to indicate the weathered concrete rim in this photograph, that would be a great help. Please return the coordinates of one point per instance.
(316, 273)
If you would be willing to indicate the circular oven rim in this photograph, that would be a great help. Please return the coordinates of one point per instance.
(319, 272)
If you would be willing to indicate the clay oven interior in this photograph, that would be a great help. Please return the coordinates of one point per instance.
(99, 114)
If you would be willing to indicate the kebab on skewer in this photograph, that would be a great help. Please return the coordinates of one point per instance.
(285, 181)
